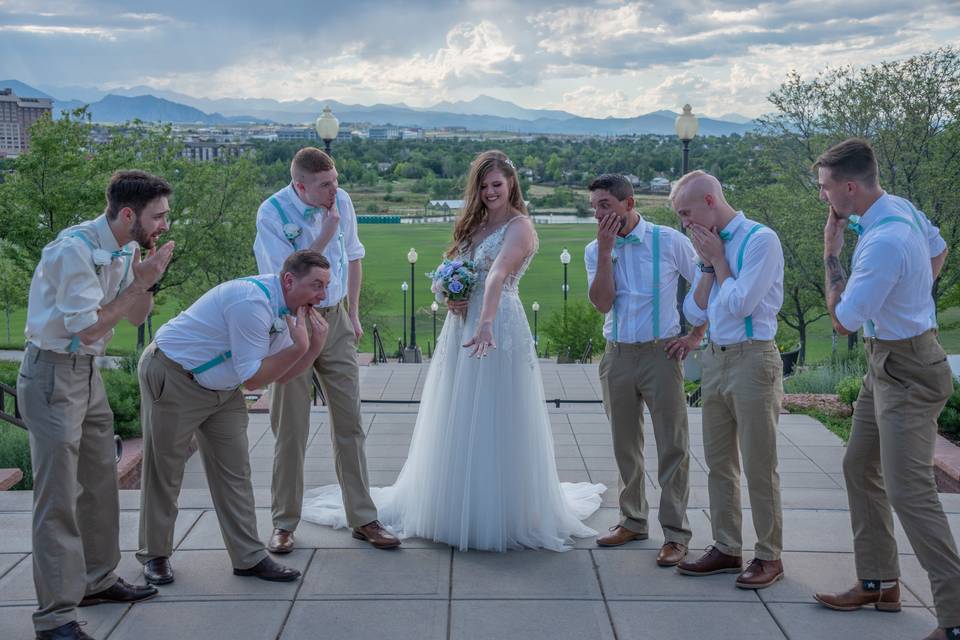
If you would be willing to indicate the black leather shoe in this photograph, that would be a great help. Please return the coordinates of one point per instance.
(121, 591)
(69, 631)
(268, 569)
(158, 571)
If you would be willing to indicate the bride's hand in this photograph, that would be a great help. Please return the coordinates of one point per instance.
(482, 341)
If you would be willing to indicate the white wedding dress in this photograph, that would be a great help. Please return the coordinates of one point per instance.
(481, 472)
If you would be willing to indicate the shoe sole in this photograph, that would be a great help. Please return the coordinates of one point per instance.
(280, 551)
(661, 563)
(251, 574)
(96, 601)
(158, 581)
(620, 544)
(688, 572)
(754, 587)
(886, 607)
(360, 536)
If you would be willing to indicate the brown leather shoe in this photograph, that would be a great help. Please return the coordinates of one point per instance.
(281, 541)
(671, 553)
(760, 574)
(375, 534)
(69, 631)
(711, 562)
(858, 596)
(619, 535)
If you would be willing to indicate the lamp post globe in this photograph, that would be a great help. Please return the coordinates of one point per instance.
(327, 127)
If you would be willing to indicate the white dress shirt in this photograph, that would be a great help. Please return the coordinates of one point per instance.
(271, 246)
(891, 281)
(235, 316)
(754, 291)
(633, 275)
(78, 273)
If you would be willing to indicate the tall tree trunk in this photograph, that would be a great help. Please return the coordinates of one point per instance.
(140, 334)
(802, 331)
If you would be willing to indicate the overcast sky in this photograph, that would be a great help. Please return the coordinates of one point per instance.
(603, 59)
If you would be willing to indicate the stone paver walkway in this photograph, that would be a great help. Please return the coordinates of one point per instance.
(426, 590)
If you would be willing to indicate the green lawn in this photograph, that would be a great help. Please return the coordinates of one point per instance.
(386, 266)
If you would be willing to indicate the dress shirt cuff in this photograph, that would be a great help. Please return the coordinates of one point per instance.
(937, 246)
(848, 316)
(77, 322)
(356, 254)
(692, 311)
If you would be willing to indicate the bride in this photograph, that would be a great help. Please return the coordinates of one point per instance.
(481, 472)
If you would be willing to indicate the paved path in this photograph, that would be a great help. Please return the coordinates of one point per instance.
(426, 590)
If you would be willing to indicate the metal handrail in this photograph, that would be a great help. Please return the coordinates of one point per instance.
(317, 389)
(587, 355)
(379, 353)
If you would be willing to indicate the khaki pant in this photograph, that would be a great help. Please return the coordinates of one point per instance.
(76, 514)
(174, 408)
(339, 376)
(742, 393)
(889, 463)
(632, 375)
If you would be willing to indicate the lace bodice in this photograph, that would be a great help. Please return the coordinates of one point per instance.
(485, 253)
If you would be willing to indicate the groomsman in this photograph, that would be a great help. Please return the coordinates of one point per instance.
(88, 280)
(739, 290)
(633, 269)
(241, 333)
(312, 212)
(889, 458)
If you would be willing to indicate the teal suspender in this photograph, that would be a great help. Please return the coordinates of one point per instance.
(283, 218)
(871, 327)
(226, 355)
(748, 322)
(656, 282)
(615, 332)
(75, 340)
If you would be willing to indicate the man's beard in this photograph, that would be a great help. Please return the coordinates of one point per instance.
(141, 236)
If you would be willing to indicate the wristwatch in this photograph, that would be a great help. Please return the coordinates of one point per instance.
(155, 288)
(705, 268)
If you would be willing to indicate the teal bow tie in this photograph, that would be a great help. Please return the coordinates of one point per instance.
(122, 253)
(309, 212)
(283, 311)
(854, 224)
(725, 235)
(631, 239)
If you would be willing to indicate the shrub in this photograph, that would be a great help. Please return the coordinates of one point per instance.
(123, 393)
(15, 453)
(583, 323)
(826, 377)
(849, 388)
(949, 420)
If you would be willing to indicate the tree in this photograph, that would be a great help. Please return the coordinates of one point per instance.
(15, 275)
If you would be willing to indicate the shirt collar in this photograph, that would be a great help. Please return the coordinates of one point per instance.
(640, 231)
(866, 220)
(105, 238)
(298, 204)
(733, 226)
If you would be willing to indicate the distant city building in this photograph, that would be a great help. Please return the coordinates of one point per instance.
(659, 185)
(16, 116)
(297, 133)
(384, 133)
(207, 151)
(411, 134)
(634, 180)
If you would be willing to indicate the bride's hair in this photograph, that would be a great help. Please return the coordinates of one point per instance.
(474, 212)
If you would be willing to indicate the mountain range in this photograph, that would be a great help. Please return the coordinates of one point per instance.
(480, 114)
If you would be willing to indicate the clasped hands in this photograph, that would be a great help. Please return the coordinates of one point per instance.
(302, 339)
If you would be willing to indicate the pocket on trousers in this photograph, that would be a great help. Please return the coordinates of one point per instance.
(156, 380)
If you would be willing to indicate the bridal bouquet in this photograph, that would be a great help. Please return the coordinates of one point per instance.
(454, 279)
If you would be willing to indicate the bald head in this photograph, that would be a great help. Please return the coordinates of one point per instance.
(698, 199)
(696, 185)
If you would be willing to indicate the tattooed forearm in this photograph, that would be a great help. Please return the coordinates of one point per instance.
(835, 280)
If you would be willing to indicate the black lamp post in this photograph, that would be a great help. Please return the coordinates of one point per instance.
(686, 126)
(536, 341)
(403, 287)
(565, 261)
(434, 307)
(413, 351)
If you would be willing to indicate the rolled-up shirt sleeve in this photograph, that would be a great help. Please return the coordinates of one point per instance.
(79, 292)
(876, 271)
(271, 246)
(351, 238)
(590, 262)
(935, 241)
(691, 310)
(248, 328)
(762, 263)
